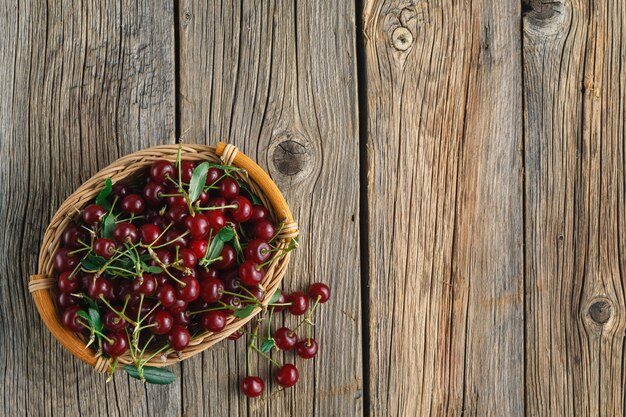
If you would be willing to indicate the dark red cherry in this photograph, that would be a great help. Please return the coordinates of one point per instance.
(299, 303)
(214, 321)
(64, 261)
(152, 194)
(161, 322)
(216, 219)
(176, 198)
(145, 285)
(287, 376)
(211, 290)
(178, 338)
(117, 344)
(235, 335)
(207, 272)
(213, 174)
(187, 258)
(189, 290)
(66, 300)
(166, 294)
(252, 386)
(67, 284)
(197, 225)
(73, 236)
(126, 232)
(264, 230)
(319, 291)
(229, 188)
(217, 202)
(71, 320)
(100, 287)
(199, 247)
(186, 170)
(258, 213)
(182, 318)
(176, 238)
(243, 210)
(92, 214)
(250, 273)
(178, 214)
(120, 191)
(256, 292)
(112, 321)
(133, 204)
(257, 250)
(228, 258)
(149, 233)
(306, 348)
(164, 255)
(161, 170)
(285, 339)
(104, 247)
(278, 304)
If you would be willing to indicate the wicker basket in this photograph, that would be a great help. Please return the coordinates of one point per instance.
(42, 285)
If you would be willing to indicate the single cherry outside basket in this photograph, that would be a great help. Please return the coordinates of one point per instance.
(43, 285)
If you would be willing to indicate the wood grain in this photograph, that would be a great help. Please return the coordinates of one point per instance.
(574, 92)
(83, 84)
(444, 207)
(277, 79)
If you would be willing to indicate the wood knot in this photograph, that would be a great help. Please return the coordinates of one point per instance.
(545, 17)
(290, 157)
(600, 311)
(401, 38)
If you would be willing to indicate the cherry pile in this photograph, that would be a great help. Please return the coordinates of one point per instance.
(147, 267)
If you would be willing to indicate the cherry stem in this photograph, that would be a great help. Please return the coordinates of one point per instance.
(236, 294)
(205, 310)
(154, 354)
(119, 313)
(171, 241)
(217, 207)
(307, 318)
(130, 219)
(265, 356)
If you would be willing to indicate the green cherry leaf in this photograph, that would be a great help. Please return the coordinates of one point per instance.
(198, 178)
(275, 297)
(95, 319)
(267, 345)
(108, 225)
(242, 313)
(226, 234)
(151, 374)
(102, 198)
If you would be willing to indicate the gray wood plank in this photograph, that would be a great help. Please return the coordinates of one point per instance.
(277, 79)
(83, 84)
(574, 88)
(444, 207)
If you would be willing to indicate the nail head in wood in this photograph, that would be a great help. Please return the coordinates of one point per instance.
(402, 38)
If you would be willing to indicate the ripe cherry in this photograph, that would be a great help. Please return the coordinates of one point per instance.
(214, 321)
(252, 386)
(161, 170)
(126, 232)
(67, 284)
(285, 339)
(117, 346)
(229, 188)
(64, 261)
(104, 247)
(176, 238)
(164, 256)
(182, 317)
(178, 338)
(66, 300)
(256, 292)
(112, 321)
(228, 258)
(199, 247)
(189, 290)
(207, 272)
(152, 194)
(203, 199)
(306, 348)
(73, 236)
(133, 204)
(71, 320)
(219, 202)
(232, 282)
(119, 190)
(258, 213)
(243, 211)
(264, 230)
(146, 307)
(287, 376)
(250, 273)
(161, 322)
(145, 285)
(149, 233)
(213, 174)
(235, 335)
(216, 219)
(231, 301)
(176, 198)
(186, 170)
(319, 291)
(299, 303)
(178, 306)
(99, 287)
(187, 258)
(257, 250)
(92, 214)
(198, 225)
(166, 294)
(178, 215)
(279, 304)
(211, 290)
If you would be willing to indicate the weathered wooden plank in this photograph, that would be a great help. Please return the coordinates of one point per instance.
(277, 78)
(444, 207)
(574, 132)
(83, 83)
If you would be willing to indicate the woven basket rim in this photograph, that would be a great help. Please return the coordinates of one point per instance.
(257, 179)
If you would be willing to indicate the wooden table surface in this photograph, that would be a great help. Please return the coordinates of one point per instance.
(456, 168)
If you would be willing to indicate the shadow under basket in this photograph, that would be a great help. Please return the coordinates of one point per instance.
(43, 285)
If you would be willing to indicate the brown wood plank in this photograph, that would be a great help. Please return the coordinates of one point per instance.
(574, 87)
(277, 79)
(83, 83)
(444, 207)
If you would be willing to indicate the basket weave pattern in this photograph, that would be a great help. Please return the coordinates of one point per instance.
(41, 285)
